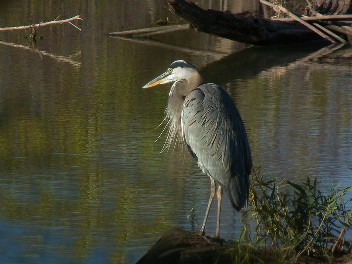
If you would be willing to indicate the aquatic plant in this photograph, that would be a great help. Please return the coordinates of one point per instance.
(295, 220)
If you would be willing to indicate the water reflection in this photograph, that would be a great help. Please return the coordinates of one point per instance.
(82, 179)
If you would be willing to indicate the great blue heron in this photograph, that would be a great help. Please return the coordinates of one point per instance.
(205, 117)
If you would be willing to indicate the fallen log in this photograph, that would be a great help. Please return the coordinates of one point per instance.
(243, 27)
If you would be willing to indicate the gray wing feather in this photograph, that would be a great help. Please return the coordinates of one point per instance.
(215, 134)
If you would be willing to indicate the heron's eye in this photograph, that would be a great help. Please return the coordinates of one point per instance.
(169, 70)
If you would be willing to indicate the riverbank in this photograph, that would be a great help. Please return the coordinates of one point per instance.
(177, 246)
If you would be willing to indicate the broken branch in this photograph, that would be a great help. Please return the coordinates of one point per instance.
(55, 22)
(284, 10)
(327, 31)
(146, 32)
(316, 18)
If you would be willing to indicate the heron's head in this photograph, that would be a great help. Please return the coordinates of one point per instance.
(178, 71)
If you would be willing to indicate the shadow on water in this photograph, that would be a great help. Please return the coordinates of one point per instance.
(251, 61)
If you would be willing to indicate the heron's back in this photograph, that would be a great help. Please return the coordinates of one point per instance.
(215, 134)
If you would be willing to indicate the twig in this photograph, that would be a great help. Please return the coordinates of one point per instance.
(314, 29)
(317, 18)
(74, 26)
(43, 53)
(68, 20)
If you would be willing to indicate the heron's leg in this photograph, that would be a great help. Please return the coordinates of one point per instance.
(211, 197)
(219, 197)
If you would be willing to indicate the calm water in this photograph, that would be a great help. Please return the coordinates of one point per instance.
(82, 179)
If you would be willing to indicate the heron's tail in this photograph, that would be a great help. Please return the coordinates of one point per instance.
(238, 191)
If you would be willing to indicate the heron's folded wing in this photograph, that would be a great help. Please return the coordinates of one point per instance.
(215, 135)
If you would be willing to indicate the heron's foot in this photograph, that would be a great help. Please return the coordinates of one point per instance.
(201, 232)
(217, 237)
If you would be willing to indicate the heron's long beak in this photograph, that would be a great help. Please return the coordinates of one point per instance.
(163, 78)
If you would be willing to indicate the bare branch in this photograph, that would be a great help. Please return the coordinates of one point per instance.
(317, 18)
(327, 31)
(43, 24)
(284, 10)
(146, 32)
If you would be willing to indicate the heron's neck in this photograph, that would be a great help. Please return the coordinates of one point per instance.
(177, 95)
(182, 88)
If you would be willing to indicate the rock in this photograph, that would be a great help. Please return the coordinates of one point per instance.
(179, 246)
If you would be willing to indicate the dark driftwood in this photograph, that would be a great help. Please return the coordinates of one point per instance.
(244, 27)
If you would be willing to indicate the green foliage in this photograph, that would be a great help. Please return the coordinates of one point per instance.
(298, 219)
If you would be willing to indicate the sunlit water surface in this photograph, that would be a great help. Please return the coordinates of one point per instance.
(83, 178)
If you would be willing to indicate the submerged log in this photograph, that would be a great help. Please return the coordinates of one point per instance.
(243, 27)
